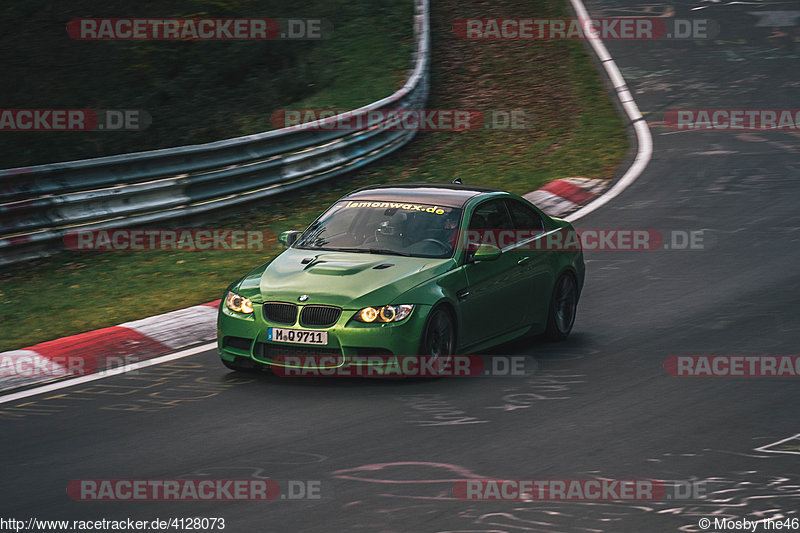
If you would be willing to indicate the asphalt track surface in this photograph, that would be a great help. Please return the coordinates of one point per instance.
(385, 453)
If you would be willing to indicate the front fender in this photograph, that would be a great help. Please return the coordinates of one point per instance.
(444, 288)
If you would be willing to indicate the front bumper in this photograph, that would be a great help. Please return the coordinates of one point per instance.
(245, 336)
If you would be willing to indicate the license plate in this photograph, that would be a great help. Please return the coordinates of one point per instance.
(297, 336)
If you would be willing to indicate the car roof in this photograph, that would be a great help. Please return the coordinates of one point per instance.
(444, 194)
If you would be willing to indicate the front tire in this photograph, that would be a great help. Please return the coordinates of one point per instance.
(439, 336)
(563, 303)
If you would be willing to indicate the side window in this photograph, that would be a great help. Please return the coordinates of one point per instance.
(491, 215)
(489, 221)
(525, 218)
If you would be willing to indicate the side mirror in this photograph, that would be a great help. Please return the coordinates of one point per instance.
(288, 238)
(486, 252)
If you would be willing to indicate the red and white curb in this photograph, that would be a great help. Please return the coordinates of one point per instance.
(563, 196)
(101, 349)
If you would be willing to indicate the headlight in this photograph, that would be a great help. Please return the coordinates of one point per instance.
(237, 303)
(387, 313)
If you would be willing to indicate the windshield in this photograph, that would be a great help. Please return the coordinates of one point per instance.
(396, 228)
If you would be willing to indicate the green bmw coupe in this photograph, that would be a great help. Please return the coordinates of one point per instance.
(411, 269)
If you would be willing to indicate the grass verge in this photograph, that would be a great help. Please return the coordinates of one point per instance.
(575, 131)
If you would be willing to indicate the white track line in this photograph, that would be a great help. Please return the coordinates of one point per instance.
(763, 449)
(645, 142)
(105, 373)
(643, 154)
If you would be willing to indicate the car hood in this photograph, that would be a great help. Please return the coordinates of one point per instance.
(345, 279)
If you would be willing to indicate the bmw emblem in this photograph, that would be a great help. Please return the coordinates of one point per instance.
(303, 298)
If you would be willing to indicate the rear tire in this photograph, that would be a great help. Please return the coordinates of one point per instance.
(563, 302)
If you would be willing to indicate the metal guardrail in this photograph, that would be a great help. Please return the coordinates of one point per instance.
(40, 204)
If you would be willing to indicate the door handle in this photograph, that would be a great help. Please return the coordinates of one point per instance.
(523, 261)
